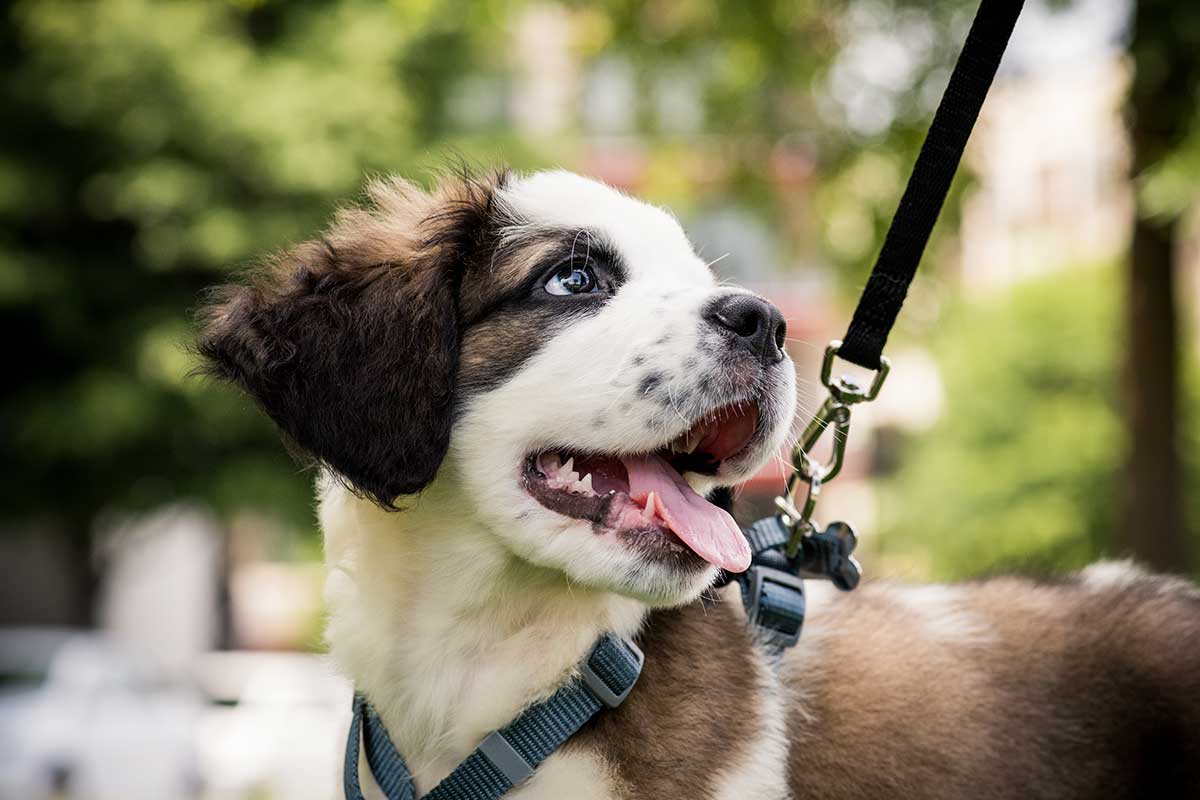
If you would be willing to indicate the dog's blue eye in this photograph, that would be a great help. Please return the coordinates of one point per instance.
(572, 279)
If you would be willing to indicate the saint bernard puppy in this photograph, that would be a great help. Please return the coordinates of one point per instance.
(520, 390)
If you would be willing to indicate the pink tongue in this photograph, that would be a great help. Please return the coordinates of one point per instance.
(710, 532)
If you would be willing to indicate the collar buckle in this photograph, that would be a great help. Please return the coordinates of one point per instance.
(618, 657)
(774, 601)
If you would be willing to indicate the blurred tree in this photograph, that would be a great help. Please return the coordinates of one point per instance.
(148, 149)
(1018, 473)
(852, 86)
(1164, 101)
(821, 104)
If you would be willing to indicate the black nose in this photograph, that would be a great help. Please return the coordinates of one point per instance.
(757, 326)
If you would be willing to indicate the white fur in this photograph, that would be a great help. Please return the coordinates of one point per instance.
(476, 601)
(449, 634)
(589, 371)
(647, 234)
(575, 775)
(944, 614)
(1108, 575)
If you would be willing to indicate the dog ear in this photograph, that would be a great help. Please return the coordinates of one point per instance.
(351, 344)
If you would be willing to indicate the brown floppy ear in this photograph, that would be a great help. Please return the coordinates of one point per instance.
(350, 344)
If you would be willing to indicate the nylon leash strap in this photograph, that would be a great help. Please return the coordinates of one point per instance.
(798, 548)
(929, 183)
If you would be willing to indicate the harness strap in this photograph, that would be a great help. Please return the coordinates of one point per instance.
(767, 534)
(506, 757)
(384, 761)
(772, 591)
(929, 183)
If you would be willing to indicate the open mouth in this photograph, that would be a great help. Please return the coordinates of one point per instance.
(644, 495)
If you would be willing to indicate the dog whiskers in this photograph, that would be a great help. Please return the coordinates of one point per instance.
(715, 261)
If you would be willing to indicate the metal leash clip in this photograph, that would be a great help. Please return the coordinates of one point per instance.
(825, 554)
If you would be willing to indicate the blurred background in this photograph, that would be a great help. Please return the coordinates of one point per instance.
(160, 605)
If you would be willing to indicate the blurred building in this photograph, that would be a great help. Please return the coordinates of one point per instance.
(1052, 161)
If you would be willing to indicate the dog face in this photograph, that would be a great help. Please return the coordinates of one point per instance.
(551, 349)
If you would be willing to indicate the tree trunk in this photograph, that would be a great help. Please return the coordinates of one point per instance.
(1162, 106)
(1152, 525)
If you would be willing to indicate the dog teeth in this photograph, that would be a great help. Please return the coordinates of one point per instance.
(567, 473)
(563, 476)
(648, 511)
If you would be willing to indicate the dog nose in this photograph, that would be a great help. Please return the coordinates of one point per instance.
(757, 325)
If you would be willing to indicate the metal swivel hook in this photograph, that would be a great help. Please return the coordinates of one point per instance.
(834, 414)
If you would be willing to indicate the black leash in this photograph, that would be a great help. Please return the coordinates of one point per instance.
(790, 546)
(930, 182)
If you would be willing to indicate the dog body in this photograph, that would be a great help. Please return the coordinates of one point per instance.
(520, 390)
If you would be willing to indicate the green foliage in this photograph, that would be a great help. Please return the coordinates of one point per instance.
(772, 99)
(1022, 471)
(148, 149)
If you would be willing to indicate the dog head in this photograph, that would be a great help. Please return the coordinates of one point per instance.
(552, 349)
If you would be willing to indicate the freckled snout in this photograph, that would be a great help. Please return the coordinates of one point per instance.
(750, 323)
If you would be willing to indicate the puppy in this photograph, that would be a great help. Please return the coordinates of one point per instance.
(520, 390)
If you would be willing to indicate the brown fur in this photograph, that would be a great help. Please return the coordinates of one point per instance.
(361, 345)
(506, 334)
(693, 711)
(372, 398)
(1061, 691)
(497, 347)
(1032, 690)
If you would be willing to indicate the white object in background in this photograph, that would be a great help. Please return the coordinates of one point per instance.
(158, 598)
